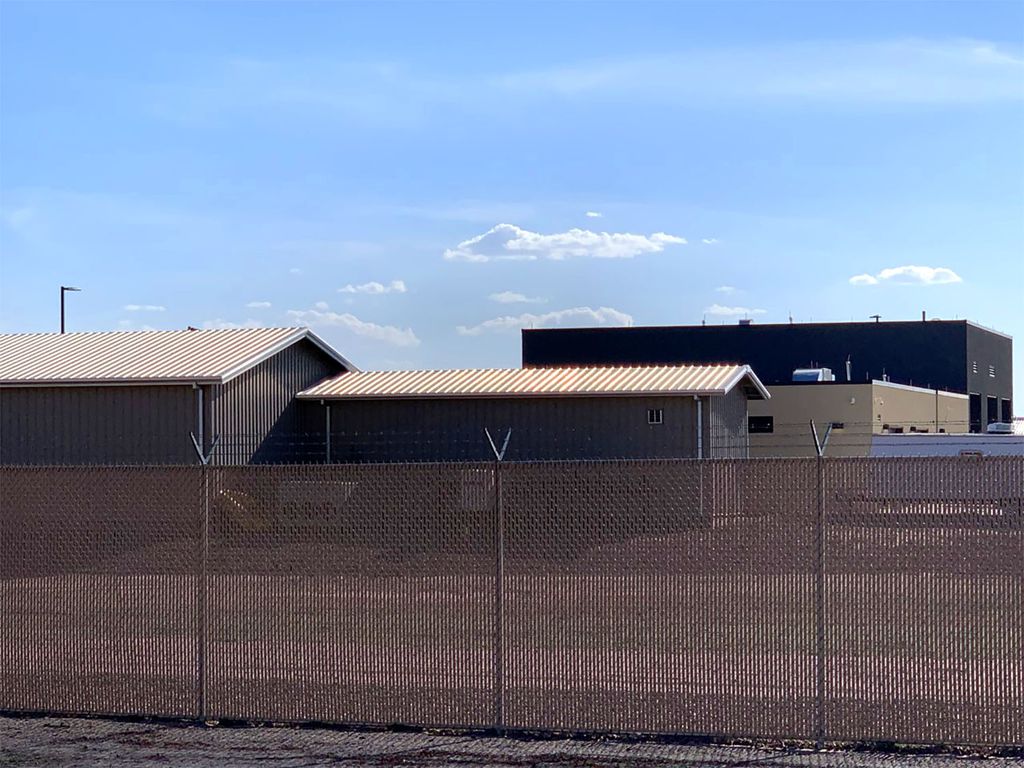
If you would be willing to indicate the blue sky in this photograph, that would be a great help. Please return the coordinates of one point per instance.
(417, 182)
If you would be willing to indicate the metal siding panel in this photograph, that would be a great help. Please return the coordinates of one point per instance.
(928, 353)
(256, 413)
(444, 429)
(95, 425)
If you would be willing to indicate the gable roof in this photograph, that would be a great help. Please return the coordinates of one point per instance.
(144, 357)
(539, 382)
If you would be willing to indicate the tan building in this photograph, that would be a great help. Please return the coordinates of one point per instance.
(781, 426)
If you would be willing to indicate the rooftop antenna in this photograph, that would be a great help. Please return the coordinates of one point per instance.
(703, 319)
(876, 318)
(791, 317)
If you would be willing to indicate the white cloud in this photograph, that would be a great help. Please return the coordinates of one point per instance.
(709, 240)
(576, 316)
(864, 279)
(375, 288)
(294, 271)
(909, 275)
(509, 242)
(727, 289)
(594, 215)
(322, 315)
(258, 305)
(144, 308)
(129, 325)
(723, 311)
(511, 297)
(222, 325)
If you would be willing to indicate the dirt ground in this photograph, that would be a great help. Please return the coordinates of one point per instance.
(38, 742)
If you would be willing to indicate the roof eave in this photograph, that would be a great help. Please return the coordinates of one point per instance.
(746, 372)
(187, 382)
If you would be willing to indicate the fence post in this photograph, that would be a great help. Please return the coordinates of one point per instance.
(819, 726)
(203, 594)
(499, 604)
(499, 585)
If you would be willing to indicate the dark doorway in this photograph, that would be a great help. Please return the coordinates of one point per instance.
(975, 416)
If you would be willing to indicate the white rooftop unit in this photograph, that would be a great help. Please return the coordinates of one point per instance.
(813, 374)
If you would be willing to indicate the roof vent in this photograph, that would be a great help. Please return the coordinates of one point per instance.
(746, 321)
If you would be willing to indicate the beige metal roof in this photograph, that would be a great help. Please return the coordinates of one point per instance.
(143, 357)
(537, 382)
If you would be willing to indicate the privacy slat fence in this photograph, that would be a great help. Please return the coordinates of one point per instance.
(833, 599)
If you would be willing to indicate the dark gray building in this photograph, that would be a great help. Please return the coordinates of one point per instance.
(138, 397)
(951, 355)
(579, 413)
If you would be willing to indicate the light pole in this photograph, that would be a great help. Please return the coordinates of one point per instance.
(63, 290)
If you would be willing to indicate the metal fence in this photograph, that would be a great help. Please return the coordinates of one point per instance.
(823, 599)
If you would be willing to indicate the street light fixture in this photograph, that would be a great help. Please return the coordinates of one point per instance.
(63, 290)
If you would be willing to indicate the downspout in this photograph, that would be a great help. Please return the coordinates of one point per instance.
(200, 425)
(327, 427)
(700, 426)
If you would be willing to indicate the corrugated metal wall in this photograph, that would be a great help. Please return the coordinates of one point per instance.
(257, 416)
(726, 426)
(97, 425)
(542, 428)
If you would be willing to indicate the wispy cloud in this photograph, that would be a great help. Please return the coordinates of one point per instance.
(594, 215)
(294, 271)
(906, 71)
(726, 289)
(724, 311)
(909, 275)
(375, 288)
(511, 297)
(258, 305)
(222, 325)
(709, 240)
(321, 315)
(509, 242)
(144, 308)
(582, 316)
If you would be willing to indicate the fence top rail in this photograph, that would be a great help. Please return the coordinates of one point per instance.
(315, 467)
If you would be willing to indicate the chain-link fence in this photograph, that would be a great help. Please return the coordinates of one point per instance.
(822, 599)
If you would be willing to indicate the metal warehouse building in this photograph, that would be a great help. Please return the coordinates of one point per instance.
(952, 355)
(560, 413)
(138, 397)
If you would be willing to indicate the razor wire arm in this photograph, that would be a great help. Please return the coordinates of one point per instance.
(204, 459)
(499, 455)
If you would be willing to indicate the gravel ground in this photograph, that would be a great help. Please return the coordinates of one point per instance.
(28, 742)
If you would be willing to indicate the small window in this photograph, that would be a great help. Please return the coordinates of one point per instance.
(761, 425)
(991, 371)
(838, 425)
(655, 415)
(896, 430)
